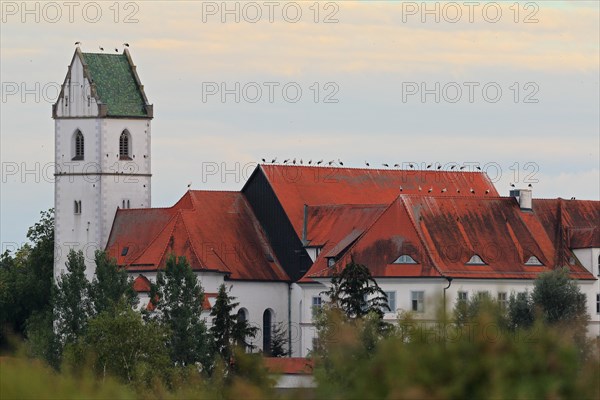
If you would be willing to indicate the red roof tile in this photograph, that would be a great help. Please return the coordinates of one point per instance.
(206, 306)
(443, 233)
(141, 284)
(289, 365)
(295, 186)
(332, 225)
(215, 231)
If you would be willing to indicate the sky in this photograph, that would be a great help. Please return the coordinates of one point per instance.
(512, 86)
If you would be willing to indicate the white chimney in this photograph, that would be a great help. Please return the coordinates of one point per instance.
(524, 197)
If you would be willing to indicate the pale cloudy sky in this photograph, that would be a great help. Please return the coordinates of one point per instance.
(369, 73)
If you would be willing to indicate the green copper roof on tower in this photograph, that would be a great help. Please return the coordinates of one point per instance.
(116, 84)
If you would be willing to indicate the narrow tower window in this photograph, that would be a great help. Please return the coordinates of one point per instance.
(78, 146)
(77, 207)
(124, 146)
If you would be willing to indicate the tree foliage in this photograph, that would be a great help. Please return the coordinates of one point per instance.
(120, 344)
(71, 300)
(110, 285)
(279, 340)
(476, 361)
(177, 299)
(559, 299)
(26, 277)
(228, 329)
(356, 292)
(520, 311)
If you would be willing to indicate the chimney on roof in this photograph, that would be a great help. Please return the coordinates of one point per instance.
(524, 198)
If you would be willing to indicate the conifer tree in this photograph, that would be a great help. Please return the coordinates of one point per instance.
(228, 329)
(356, 292)
(279, 341)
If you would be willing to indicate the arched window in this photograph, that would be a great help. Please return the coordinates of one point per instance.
(267, 331)
(125, 146)
(78, 145)
(242, 315)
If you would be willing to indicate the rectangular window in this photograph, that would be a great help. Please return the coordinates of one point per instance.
(316, 305)
(502, 300)
(463, 296)
(418, 301)
(391, 298)
(598, 303)
(483, 295)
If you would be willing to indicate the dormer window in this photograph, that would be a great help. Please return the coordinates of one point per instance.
(78, 146)
(330, 261)
(405, 259)
(533, 260)
(476, 260)
(125, 146)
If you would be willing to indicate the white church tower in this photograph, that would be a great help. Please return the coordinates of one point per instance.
(102, 151)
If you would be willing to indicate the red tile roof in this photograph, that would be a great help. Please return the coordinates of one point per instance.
(141, 284)
(443, 233)
(337, 226)
(295, 186)
(289, 365)
(215, 231)
(206, 306)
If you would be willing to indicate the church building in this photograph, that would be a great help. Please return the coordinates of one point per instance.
(424, 234)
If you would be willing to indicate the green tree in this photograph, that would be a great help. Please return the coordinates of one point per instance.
(26, 277)
(71, 300)
(520, 311)
(42, 341)
(479, 362)
(123, 346)
(228, 329)
(110, 285)
(559, 299)
(356, 292)
(177, 299)
(466, 310)
(279, 340)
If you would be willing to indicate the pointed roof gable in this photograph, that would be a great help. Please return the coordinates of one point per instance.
(215, 231)
(443, 233)
(295, 186)
(114, 84)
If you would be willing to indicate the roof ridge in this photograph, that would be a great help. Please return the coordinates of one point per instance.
(162, 254)
(358, 205)
(454, 196)
(213, 191)
(187, 231)
(370, 169)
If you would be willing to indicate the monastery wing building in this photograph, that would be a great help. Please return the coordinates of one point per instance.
(278, 241)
